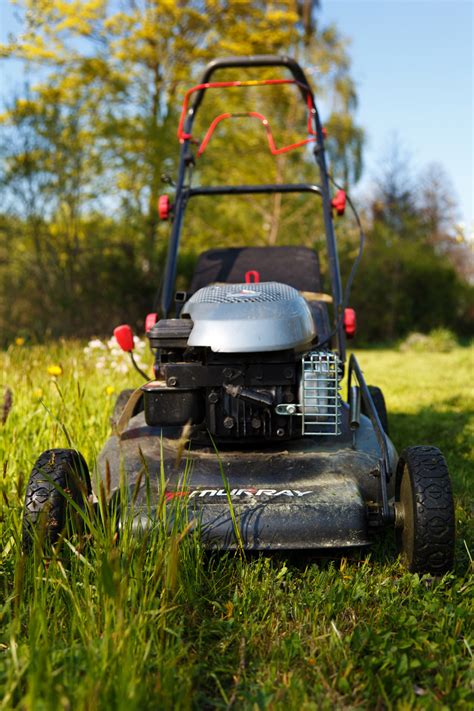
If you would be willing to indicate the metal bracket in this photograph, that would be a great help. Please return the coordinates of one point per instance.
(290, 409)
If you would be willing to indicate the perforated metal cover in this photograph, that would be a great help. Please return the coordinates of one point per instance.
(270, 291)
(249, 318)
(321, 404)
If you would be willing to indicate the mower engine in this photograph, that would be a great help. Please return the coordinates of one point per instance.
(242, 364)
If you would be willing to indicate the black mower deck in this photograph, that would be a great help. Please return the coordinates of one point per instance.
(313, 491)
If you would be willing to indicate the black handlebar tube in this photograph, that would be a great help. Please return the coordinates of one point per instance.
(262, 60)
(331, 245)
(179, 208)
(184, 192)
(386, 514)
(254, 189)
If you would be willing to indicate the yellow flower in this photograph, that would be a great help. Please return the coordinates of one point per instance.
(19, 341)
(110, 389)
(54, 370)
(38, 393)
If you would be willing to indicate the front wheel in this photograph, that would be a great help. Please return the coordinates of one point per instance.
(425, 511)
(47, 510)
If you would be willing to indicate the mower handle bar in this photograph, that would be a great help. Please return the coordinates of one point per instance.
(262, 60)
(183, 192)
(213, 190)
(254, 189)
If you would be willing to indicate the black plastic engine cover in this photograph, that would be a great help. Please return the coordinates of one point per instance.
(172, 406)
(170, 333)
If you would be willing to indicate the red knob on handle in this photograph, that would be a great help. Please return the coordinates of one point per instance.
(350, 323)
(339, 202)
(150, 321)
(164, 207)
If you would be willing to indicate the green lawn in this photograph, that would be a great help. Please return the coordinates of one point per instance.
(159, 623)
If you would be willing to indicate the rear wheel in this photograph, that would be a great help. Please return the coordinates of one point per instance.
(425, 511)
(380, 407)
(47, 511)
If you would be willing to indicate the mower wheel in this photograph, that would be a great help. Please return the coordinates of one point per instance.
(379, 402)
(122, 398)
(425, 528)
(46, 512)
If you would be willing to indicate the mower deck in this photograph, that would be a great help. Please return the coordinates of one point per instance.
(306, 494)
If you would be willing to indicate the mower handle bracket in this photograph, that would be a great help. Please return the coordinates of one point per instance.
(386, 512)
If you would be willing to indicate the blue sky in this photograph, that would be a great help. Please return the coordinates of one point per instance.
(413, 67)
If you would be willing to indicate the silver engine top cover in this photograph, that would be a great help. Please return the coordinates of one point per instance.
(249, 318)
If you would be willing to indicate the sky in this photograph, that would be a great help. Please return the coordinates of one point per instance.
(412, 61)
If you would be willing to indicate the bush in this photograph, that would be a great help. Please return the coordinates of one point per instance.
(439, 340)
(404, 286)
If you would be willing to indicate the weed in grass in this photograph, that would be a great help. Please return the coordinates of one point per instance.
(109, 619)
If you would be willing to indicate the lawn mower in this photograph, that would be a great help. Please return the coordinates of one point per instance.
(248, 366)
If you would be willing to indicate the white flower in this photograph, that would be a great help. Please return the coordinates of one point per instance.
(97, 344)
(142, 366)
(139, 344)
(121, 367)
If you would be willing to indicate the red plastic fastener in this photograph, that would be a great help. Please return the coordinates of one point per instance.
(339, 202)
(252, 277)
(124, 337)
(350, 322)
(164, 207)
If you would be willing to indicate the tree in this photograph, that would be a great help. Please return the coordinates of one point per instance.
(395, 204)
(439, 212)
(62, 269)
(92, 137)
(408, 278)
(437, 202)
(127, 66)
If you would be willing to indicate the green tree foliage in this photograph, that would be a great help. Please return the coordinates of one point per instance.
(404, 286)
(125, 67)
(409, 278)
(84, 148)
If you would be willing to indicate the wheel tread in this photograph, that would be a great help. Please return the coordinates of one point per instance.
(52, 469)
(434, 509)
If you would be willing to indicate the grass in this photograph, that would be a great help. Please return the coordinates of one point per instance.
(160, 623)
